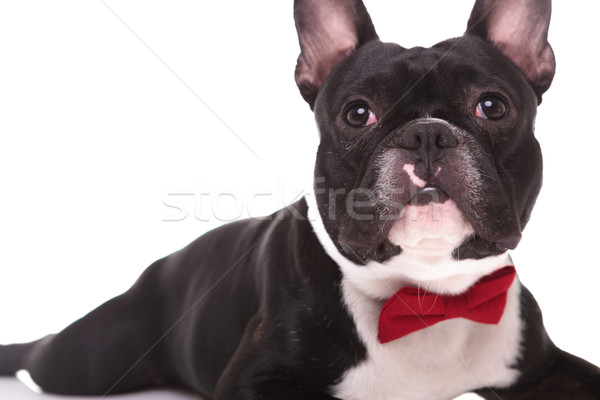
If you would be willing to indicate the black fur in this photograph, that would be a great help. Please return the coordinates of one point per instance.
(254, 309)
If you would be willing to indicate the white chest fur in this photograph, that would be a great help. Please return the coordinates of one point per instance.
(437, 363)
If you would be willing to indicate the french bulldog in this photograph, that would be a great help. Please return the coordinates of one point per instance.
(401, 286)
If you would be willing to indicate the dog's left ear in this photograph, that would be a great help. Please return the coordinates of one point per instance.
(328, 31)
(519, 28)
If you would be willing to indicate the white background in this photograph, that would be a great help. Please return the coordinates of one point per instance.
(104, 117)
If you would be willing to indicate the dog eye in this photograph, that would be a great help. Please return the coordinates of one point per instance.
(491, 107)
(359, 115)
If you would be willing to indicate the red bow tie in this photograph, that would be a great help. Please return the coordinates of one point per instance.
(412, 309)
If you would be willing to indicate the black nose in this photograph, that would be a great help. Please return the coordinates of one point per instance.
(428, 141)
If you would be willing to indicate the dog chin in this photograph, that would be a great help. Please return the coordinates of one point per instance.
(430, 227)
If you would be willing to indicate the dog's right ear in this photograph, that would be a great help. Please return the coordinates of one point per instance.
(328, 31)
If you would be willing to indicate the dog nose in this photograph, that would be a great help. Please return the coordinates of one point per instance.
(428, 141)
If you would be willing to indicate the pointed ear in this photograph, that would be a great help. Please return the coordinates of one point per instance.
(328, 31)
(519, 28)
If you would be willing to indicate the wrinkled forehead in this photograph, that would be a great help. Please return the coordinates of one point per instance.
(384, 72)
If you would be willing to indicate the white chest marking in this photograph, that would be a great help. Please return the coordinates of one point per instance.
(437, 363)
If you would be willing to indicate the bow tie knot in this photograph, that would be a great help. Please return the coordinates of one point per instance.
(456, 307)
(412, 309)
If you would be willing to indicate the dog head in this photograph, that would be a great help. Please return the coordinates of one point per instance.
(424, 146)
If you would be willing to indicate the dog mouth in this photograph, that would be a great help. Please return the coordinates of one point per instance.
(427, 212)
(430, 214)
(427, 195)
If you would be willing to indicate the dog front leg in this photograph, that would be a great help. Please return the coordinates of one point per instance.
(267, 388)
(254, 378)
(263, 369)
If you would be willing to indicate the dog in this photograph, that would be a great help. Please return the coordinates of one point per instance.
(401, 287)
